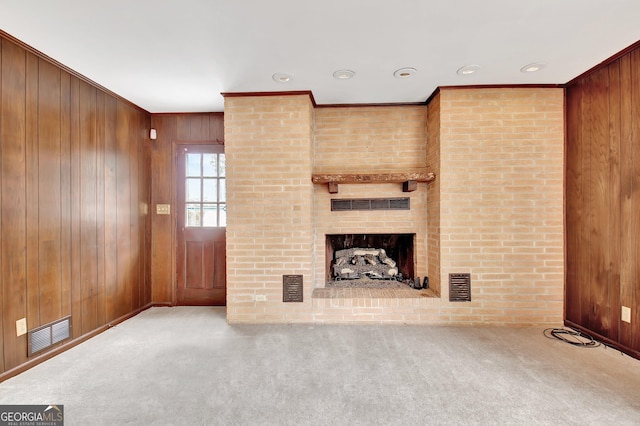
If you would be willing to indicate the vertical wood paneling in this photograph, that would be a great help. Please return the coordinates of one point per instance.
(2, 336)
(586, 234)
(161, 194)
(216, 126)
(170, 128)
(13, 203)
(145, 212)
(575, 201)
(123, 209)
(634, 284)
(74, 138)
(614, 199)
(49, 256)
(32, 172)
(100, 206)
(603, 253)
(74, 173)
(88, 217)
(599, 314)
(626, 198)
(110, 202)
(184, 126)
(199, 125)
(65, 194)
(134, 224)
(145, 196)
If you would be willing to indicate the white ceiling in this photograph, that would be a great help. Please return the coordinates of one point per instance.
(179, 55)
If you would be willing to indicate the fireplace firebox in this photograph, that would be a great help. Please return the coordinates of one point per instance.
(397, 250)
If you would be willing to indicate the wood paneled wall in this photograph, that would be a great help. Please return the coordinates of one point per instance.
(603, 201)
(171, 128)
(74, 196)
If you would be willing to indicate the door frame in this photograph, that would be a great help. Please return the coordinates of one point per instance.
(175, 146)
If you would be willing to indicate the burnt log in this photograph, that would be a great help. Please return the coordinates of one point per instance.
(370, 259)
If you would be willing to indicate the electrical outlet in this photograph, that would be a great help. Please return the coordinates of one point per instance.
(21, 327)
(261, 297)
(626, 314)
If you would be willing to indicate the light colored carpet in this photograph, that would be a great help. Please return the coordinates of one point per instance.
(187, 366)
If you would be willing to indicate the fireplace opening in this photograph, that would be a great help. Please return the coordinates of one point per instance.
(369, 260)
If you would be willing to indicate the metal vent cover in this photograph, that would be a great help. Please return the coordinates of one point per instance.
(39, 340)
(60, 331)
(371, 204)
(459, 287)
(48, 335)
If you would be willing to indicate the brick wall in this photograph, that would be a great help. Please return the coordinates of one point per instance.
(433, 193)
(370, 139)
(501, 194)
(268, 147)
(495, 210)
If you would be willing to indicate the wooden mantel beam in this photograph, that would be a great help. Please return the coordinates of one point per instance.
(373, 177)
(409, 180)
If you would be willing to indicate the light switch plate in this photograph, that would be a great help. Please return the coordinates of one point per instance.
(163, 208)
(21, 327)
(626, 314)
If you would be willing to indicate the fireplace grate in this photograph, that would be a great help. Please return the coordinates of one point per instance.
(459, 287)
(370, 204)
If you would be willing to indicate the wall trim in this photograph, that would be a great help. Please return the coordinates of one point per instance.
(32, 362)
(282, 93)
(432, 95)
(493, 86)
(39, 54)
(604, 340)
(503, 86)
(370, 105)
(604, 63)
(391, 104)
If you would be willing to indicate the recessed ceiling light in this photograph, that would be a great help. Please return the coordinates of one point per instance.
(281, 77)
(536, 66)
(343, 74)
(469, 69)
(404, 72)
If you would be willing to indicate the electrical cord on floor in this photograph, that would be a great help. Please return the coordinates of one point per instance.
(573, 337)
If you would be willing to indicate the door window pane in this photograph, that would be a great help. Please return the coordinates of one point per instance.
(193, 215)
(210, 215)
(223, 215)
(193, 164)
(210, 190)
(193, 190)
(209, 164)
(222, 171)
(223, 190)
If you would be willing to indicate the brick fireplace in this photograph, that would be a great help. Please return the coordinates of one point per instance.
(494, 210)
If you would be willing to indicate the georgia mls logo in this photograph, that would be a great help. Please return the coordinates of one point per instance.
(31, 415)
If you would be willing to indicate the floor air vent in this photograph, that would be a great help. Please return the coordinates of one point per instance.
(48, 335)
(459, 287)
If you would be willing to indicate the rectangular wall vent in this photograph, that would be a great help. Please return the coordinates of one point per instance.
(48, 335)
(370, 204)
(459, 287)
